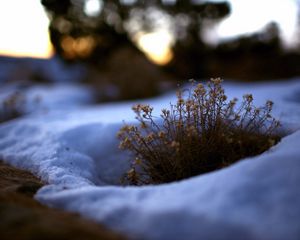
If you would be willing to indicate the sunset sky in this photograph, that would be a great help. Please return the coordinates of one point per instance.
(24, 26)
(24, 29)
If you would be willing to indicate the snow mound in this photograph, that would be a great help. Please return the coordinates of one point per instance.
(42, 98)
(76, 152)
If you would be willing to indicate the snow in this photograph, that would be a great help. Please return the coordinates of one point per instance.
(51, 70)
(75, 150)
(42, 98)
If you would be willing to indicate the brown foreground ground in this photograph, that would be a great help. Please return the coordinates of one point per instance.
(21, 217)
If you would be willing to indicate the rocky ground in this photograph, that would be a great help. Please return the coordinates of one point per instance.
(24, 218)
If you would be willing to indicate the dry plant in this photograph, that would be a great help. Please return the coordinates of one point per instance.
(12, 107)
(202, 132)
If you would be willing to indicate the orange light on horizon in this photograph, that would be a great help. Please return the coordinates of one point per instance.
(156, 46)
(80, 47)
(24, 29)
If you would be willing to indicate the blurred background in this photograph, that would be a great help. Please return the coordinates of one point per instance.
(128, 49)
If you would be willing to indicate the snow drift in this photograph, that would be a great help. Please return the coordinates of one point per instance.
(75, 151)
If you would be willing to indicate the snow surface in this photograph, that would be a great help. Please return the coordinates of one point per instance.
(42, 98)
(51, 70)
(75, 151)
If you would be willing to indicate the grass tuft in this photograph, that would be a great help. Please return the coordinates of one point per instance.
(200, 133)
(11, 107)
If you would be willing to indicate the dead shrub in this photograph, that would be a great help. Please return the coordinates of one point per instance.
(11, 107)
(201, 133)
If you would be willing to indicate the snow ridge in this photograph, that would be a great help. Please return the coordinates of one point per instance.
(76, 152)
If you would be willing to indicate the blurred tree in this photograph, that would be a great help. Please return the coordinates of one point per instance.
(258, 56)
(93, 29)
(106, 33)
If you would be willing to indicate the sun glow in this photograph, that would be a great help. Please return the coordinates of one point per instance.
(80, 47)
(156, 46)
(24, 29)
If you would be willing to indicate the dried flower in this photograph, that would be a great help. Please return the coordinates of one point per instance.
(200, 133)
